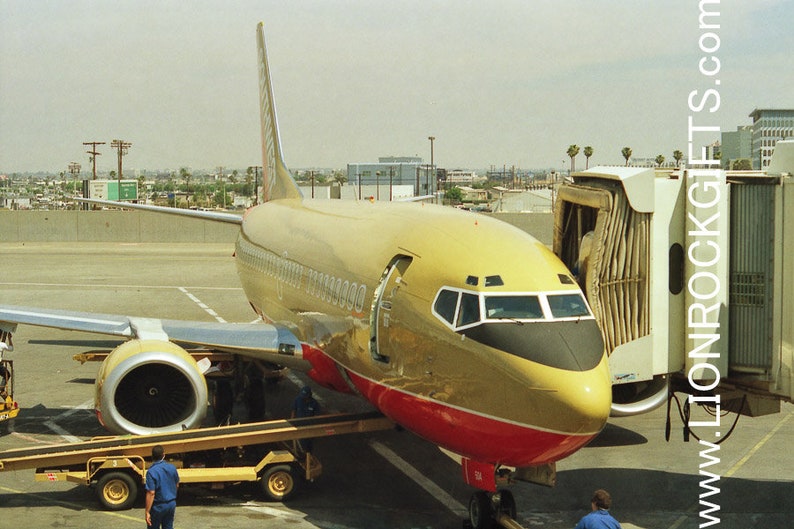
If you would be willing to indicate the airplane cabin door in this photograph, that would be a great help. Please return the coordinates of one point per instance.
(381, 316)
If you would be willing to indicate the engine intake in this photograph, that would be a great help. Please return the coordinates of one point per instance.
(150, 386)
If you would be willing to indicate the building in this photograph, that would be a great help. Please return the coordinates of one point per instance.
(714, 151)
(394, 171)
(462, 177)
(769, 126)
(737, 145)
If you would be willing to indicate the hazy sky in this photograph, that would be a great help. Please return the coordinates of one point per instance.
(496, 82)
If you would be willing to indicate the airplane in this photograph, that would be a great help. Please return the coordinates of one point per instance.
(460, 328)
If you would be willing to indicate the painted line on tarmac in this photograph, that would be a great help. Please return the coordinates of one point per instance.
(70, 505)
(103, 285)
(295, 519)
(65, 435)
(758, 446)
(201, 304)
(434, 490)
(739, 464)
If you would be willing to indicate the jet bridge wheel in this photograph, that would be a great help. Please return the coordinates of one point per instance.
(117, 491)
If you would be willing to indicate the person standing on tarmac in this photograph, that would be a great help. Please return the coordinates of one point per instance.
(162, 481)
(599, 517)
(305, 405)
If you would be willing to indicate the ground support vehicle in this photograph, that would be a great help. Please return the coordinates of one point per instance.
(8, 407)
(255, 452)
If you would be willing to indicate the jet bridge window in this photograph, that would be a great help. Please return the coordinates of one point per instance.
(513, 307)
(567, 305)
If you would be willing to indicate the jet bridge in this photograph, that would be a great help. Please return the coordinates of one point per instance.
(689, 274)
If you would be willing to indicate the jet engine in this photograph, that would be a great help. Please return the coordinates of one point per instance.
(150, 386)
(639, 397)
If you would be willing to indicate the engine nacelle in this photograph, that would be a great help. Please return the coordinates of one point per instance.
(150, 386)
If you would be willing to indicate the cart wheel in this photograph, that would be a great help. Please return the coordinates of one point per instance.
(278, 482)
(480, 515)
(117, 491)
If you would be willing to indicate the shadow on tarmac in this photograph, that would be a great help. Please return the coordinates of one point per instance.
(613, 435)
(643, 498)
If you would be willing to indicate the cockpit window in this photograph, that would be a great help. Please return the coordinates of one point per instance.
(513, 307)
(469, 309)
(567, 306)
(446, 303)
(493, 281)
(551, 328)
(462, 308)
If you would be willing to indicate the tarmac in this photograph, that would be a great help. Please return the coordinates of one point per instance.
(383, 479)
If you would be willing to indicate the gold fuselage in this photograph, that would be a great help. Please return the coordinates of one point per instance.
(316, 266)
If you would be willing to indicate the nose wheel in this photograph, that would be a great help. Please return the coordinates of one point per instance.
(487, 511)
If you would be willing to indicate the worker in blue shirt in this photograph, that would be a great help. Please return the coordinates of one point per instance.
(305, 405)
(162, 481)
(599, 518)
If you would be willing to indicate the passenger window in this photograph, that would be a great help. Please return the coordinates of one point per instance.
(568, 306)
(469, 309)
(445, 305)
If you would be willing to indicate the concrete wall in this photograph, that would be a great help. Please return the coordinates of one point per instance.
(109, 226)
(143, 226)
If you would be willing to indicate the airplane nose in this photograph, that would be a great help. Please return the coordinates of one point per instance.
(589, 399)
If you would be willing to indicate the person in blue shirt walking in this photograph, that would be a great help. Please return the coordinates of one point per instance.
(599, 518)
(162, 481)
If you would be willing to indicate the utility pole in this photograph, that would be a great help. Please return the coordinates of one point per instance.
(74, 168)
(93, 152)
(256, 169)
(432, 162)
(122, 147)
(223, 185)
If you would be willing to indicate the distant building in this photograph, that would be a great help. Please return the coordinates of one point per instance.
(713, 151)
(737, 144)
(461, 176)
(769, 126)
(395, 171)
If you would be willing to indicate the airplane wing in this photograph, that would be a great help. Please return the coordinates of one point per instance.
(217, 216)
(271, 343)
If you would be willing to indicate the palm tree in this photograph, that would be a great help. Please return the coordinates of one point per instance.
(677, 156)
(659, 160)
(626, 152)
(185, 175)
(588, 152)
(572, 151)
(340, 178)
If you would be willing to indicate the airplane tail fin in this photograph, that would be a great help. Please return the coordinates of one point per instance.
(277, 181)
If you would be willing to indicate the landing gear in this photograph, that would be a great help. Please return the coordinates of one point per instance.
(480, 511)
(488, 510)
